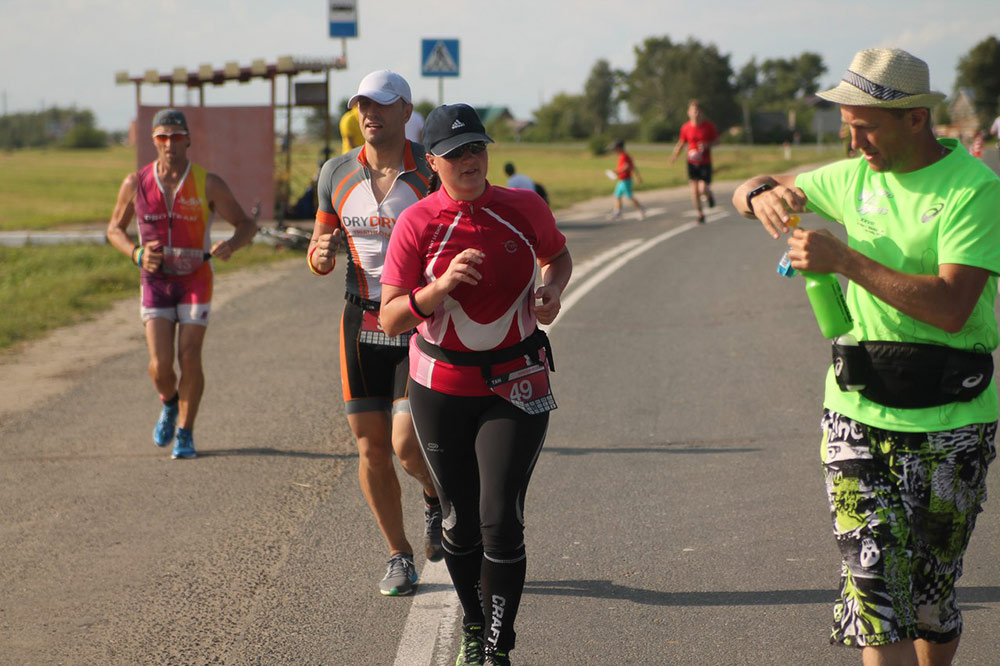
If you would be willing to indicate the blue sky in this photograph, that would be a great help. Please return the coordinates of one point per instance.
(513, 52)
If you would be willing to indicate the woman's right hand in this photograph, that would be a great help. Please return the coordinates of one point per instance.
(462, 269)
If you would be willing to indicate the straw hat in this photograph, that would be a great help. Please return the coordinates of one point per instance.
(885, 78)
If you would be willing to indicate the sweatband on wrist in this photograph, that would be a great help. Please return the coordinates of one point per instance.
(138, 258)
(313, 269)
(134, 250)
(413, 306)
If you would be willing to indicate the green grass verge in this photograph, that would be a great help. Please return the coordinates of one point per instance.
(51, 189)
(42, 288)
(44, 189)
(570, 173)
(45, 287)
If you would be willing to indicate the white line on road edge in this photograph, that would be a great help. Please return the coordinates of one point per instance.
(613, 266)
(432, 615)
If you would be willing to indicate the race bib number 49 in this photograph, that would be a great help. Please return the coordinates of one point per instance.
(527, 389)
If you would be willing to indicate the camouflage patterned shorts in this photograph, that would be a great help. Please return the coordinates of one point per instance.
(904, 506)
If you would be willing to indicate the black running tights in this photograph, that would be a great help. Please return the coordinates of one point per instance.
(481, 452)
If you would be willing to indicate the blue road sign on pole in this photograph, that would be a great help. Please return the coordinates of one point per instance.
(439, 57)
(343, 18)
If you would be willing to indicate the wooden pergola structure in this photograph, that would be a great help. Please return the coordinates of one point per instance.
(287, 66)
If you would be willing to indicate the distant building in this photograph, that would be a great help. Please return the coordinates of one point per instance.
(488, 114)
(963, 123)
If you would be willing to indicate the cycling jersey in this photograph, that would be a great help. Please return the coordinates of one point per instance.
(182, 232)
(346, 201)
(513, 228)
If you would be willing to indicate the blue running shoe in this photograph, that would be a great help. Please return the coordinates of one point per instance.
(163, 431)
(184, 446)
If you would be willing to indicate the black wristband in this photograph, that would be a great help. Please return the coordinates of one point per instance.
(413, 306)
(754, 192)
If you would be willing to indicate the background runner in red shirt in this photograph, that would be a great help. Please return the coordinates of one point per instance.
(699, 134)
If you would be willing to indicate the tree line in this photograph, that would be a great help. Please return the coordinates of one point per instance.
(655, 92)
(66, 128)
(668, 74)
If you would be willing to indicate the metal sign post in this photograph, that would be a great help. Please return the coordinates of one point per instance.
(439, 57)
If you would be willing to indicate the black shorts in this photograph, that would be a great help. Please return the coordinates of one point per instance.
(700, 172)
(373, 374)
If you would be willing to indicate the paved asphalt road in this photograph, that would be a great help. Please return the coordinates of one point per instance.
(677, 514)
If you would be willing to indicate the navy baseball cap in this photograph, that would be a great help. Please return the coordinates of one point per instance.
(166, 117)
(450, 126)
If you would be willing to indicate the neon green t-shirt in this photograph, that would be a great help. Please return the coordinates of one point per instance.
(946, 213)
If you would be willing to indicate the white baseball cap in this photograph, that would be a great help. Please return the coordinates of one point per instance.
(383, 86)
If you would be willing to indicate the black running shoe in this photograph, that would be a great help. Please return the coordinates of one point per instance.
(432, 533)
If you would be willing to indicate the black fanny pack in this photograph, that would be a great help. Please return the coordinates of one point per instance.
(484, 359)
(911, 375)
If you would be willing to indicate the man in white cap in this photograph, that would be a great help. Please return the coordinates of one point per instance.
(906, 456)
(361, 194)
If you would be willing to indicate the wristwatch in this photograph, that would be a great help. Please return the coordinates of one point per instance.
(754, 192)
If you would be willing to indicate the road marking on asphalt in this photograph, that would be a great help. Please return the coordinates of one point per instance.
(613, 264)
(431, 620)
(433, 615)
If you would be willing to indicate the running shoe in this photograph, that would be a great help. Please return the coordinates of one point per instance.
(432, 533)
(184, 446)
(163, 431)
(711, 200)
(497, 658)
(400, 576)
(471, 652)
(701, 219)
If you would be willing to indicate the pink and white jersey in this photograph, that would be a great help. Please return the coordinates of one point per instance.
(513, 228)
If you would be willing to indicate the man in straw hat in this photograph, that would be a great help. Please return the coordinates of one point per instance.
(905, 456)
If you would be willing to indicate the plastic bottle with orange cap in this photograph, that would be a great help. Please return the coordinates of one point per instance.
(827, 301)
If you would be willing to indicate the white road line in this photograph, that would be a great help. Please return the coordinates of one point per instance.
(609, 268)
(433, 615)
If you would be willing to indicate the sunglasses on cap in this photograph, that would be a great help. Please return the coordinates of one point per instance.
(475, 147)
(163, 137)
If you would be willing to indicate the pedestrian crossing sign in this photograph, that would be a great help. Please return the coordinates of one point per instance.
(439, 57)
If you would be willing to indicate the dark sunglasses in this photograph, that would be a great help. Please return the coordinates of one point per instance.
(474, 148)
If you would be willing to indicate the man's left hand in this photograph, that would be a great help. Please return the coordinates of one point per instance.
(817, 250)
(222, 250)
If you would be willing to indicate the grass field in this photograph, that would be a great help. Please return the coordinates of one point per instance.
(45, 287)
(42, 288)
(44, 189)
(51, 189)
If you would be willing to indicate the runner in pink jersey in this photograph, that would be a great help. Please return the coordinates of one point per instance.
(172, 200)
(462, 266)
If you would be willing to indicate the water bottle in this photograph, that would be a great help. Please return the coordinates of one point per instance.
(828, 304)
(825, 295)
